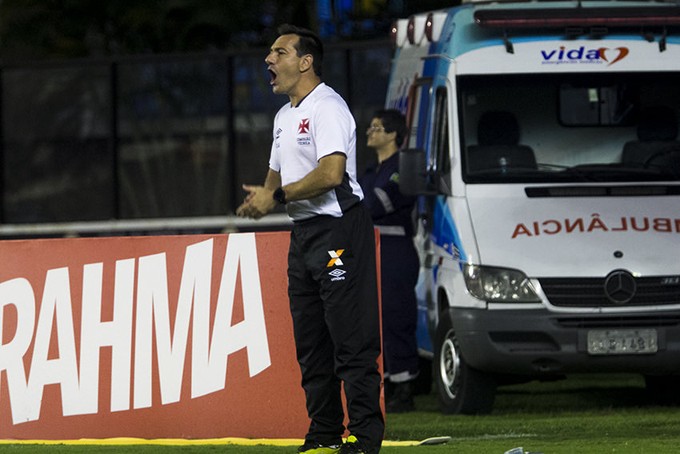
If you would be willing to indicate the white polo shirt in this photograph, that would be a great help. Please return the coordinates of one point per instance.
(320, 125)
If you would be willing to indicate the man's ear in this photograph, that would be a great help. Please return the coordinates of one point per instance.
(306, 63)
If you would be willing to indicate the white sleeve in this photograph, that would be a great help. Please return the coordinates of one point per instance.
(333, 126)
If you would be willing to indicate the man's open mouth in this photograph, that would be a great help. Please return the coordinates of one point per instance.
(272, 77)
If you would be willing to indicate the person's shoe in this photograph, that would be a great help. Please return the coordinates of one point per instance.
(312, 447)
(352, 446)
(401, 400)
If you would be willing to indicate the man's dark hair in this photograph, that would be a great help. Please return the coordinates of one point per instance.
(309, 43)
(393, 121)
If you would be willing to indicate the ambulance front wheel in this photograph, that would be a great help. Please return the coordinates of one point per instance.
(461, 389)
(663, 389)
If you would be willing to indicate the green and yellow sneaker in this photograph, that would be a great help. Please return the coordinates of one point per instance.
(352, 446)
(312, 447)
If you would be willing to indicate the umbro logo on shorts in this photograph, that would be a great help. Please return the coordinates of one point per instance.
(337, 274)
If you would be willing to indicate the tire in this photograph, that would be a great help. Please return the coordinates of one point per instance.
(663, 389)
(461, 389)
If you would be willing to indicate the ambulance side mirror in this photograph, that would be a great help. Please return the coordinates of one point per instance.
(414, 178)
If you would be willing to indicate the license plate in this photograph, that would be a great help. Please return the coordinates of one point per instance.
(622, 341)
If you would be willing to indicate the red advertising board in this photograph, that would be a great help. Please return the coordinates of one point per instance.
(148, 337)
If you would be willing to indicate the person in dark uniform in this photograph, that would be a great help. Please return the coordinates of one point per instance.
(392, 215)
(332, 279)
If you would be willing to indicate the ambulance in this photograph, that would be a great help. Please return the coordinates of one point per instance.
(544, 151)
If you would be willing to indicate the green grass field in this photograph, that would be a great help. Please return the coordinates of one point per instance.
(583, 414)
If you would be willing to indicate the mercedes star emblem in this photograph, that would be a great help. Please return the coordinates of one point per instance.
(619, 286)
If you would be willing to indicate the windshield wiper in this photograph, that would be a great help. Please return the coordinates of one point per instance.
(562, 170)
(503, 171)
(600, 172)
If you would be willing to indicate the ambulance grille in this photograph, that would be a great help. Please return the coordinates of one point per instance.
(590, 292)
(614, 322)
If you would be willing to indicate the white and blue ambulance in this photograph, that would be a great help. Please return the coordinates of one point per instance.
(544, 149)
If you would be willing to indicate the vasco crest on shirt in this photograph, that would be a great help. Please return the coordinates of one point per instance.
(303, 137)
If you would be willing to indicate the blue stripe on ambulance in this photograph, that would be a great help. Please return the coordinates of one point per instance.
(444, 232)
(445, 236)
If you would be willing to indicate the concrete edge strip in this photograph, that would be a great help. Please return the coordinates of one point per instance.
(184, 442)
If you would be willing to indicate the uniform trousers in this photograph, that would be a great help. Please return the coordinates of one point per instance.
(332, 286)
(399, 273)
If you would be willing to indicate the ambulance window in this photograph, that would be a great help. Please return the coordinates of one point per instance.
(440, 161)
(596, 105)
(418, 109)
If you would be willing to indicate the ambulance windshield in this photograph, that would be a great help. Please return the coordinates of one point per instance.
(613, 127)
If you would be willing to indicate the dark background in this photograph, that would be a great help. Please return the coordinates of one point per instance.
(37, 29)
(133, 110)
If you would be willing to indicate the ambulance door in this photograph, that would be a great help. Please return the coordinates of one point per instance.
(417, 117)
(436, 208)
(429, 131)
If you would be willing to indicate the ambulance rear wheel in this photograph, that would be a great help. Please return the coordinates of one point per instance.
(461, 389)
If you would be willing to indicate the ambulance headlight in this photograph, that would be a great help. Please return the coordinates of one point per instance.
(499, 285)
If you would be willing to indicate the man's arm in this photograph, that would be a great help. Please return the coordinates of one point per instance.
(327, 175)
